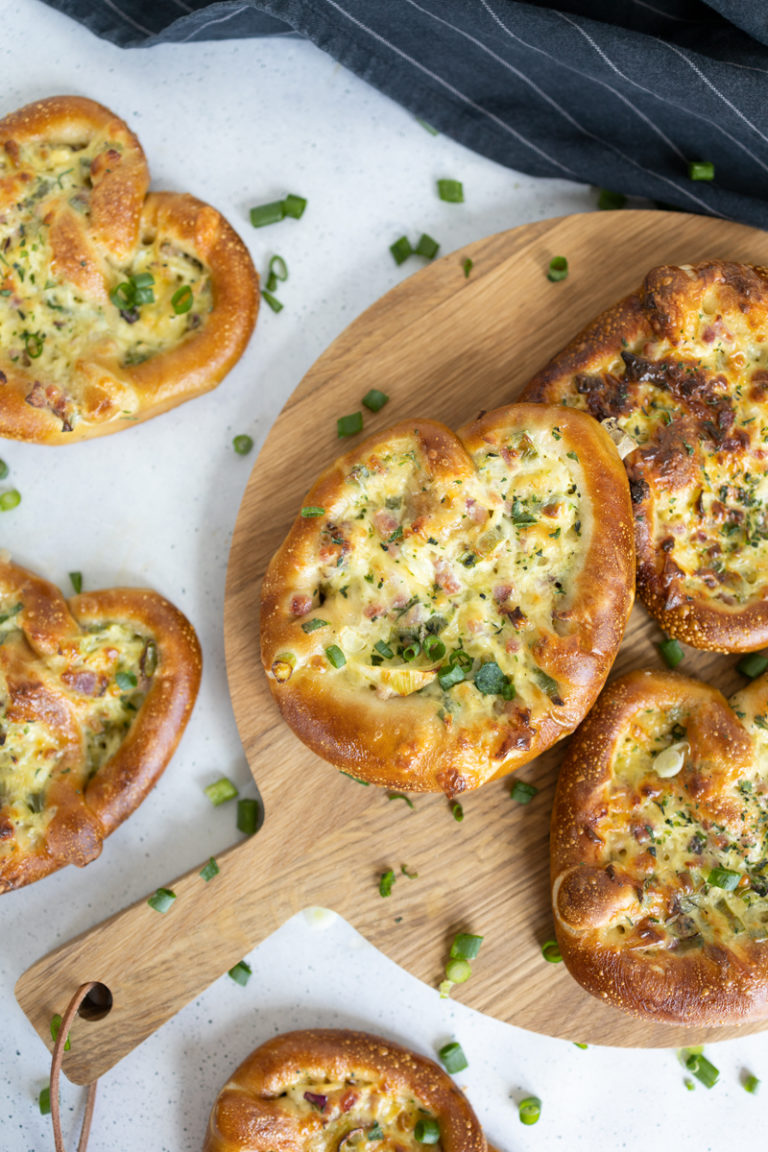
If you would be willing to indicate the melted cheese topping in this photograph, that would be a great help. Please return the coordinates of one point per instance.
(49, 327)
(443, 590)
(101, 680)
(700, 869)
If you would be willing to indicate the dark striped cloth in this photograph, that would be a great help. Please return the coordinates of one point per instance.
(622, 94)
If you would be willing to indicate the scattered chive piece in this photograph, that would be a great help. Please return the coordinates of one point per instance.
(76, 580)
(458, 971)
(522, 792)
(724, 878)
(703, 1070)
(125, 681)
(406, 871)
(162, 899)
(211, 869)
(10, 499)
(56, 1028)
(294, 206)
(33, 344)
(313, 624)
(248, 813)
(427, 247)
(434, 647)
(350, 425)
(335, 656)
(550, 950)
(428, 127)
(689, 1084)
(44, 1100)
(242, 444)
(241, 973)
(558, 269)
(752, 665)
(427, 1131)
(529, 1110)
(465, 946)
(401, 796)
(452, 191)
(3, 469)
(268, 213)
(375, 401)
(701, 170)
(457, 812)
(401, 249)
(386, 880)
(444, 988)
(608, 200)
(467, 265)
(278, 271)
(751, 1084)
(449, 675)
(453, 1058)
(384, 649)
(220, 791)
(181, 301)
(577, 1045)
(275, 304)
(671, 652)
(311, 511)
(357, 780)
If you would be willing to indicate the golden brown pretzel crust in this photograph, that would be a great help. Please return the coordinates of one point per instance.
(78, 222)
(252, 1112)
(681, 364)
(60, 663)
(641, 920)
(510, 541)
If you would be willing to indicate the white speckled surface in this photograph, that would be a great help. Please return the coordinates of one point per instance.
(238, 124)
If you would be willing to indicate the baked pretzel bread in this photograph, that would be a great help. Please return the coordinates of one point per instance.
(446, 606)
(115, 305)
(682, 367)
(95, 693)
(339, 1091)
(659, 850)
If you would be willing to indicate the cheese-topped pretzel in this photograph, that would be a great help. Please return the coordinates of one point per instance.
(115, 305)
(681, 365)
(95, 693)
(445, 606)
(659, 850)
(337, 1091)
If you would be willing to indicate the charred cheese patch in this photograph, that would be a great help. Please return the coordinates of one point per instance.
(682, 368)
(449, 578)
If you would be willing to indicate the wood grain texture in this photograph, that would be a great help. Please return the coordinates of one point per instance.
(447, 347)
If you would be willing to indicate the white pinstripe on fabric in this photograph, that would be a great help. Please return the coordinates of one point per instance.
(669, 15)
(128, 19)
(716, 90)
(213, 20)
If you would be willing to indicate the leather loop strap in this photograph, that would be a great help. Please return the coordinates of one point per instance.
(58, 1056)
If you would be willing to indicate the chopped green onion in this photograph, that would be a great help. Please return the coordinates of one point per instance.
(10, 499)
(452, 191)
(444, 988)
(701, 170)
(335, 656)
(386, 880)
(220, 791)
(310, 511)
(401, 249)
(76, 580)
(210, 870)
(242, 444)
(457, 812)
(434, 647)
(449, 675)
(313, 624)
(427, 1131)
(558, 269)
(248, 816)
(671, 652)
(702, 1069)
(241, 973)
(384, 650)
(529, 1110)
(427, 247)
(182, 300)
(33, 344)
(689, 1084)
(357, 780)
(56, 1028)
(375, 400)
(428, 127)
(268, 213)
(125, 681)
(162, 899)
(350, 425)
(278, 272)
(401, 796)
(411, 650)
(724, 878)
(491, 681)
(44, 1101)
(752, 665)
(406, 871)
(607, 201)
(275, 304)
(467, 265)
(577, 1045)
(523, 792)
(453, 1058)
(465, 946)
(751, 1084)
(458, 971)
(294, 206)
(3, 469)
(550, 950)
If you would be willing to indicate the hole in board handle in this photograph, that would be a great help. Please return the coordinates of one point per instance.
(97, 1004)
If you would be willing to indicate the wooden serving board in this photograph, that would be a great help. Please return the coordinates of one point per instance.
(446, 346)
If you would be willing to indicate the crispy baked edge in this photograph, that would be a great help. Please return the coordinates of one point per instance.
(338, 1053)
